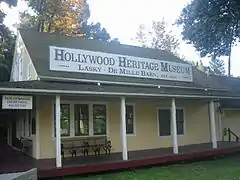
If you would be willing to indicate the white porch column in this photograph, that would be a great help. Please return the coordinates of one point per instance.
(174, 127)
(123, 129)
(58, 133)
(213, 124)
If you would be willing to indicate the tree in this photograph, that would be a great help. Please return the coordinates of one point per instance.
(217, 66)
(65, 17)
(6, 45)
(212, 26)
(55, 15)
(158, 37)
(142, 36)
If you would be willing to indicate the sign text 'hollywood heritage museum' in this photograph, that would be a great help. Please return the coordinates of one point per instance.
(16, 102)
(83, 61)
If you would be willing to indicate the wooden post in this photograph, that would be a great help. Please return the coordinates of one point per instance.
(58, 133)
(174, 127)
(213, 124)
(123, 130)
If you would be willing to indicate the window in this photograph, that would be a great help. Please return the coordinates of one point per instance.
(99, 119)
(129, 119)
(81, 119)
(164, 120)
(64, 119)
(180, 121)
(20, 69)
(87, 119)
(29, 71)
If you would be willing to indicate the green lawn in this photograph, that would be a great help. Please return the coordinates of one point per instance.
(227, 168)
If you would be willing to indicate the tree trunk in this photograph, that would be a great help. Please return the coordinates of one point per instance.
(41, 21)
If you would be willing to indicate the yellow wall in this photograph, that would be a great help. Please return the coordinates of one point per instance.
(197, 128)
(231, 119)
(47, 146)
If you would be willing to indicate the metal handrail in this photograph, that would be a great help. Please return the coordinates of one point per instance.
(229, 132)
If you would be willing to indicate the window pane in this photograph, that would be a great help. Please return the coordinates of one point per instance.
(164, 117)
(64, 119)
(81, 120)
(129, 119)
(99, 119)
(180, 123)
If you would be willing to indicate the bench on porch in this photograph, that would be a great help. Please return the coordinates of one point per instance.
(85, 145)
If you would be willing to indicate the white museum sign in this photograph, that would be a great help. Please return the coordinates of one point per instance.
(83, 61)
(16, 102)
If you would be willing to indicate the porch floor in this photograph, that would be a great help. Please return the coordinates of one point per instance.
(14, 161)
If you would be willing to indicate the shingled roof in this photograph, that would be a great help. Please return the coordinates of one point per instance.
(37, 44)
(53, 87)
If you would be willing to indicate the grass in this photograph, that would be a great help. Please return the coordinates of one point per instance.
(226, 168)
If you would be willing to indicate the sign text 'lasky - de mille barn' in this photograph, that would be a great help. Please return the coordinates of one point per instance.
(83, 61)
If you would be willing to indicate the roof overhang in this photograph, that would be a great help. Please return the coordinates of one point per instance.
(79, 88)
(65, 92)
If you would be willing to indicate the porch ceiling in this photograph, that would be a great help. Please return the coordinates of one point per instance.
(76, 88)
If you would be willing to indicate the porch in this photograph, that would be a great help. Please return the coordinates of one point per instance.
(146, 141)
(15, 161)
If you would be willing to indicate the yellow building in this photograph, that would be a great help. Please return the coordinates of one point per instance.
(72, 95)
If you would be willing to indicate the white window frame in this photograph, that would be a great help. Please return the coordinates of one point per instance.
(184, 121)
(134, 119)
(20, 69)
(72, 118)
(71, 121)
(29, 76)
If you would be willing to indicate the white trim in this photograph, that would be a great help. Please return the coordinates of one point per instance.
(134, 118)
(123, 128)
(20, 68)
(213, 124)
(127, 83)
(174, 126)
(29, 76)
(58, 133)
(184, 121)
(22, 90)
(72, 117)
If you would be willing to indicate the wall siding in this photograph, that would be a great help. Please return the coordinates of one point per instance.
(231, 119)
(27, 65)
(197, 128)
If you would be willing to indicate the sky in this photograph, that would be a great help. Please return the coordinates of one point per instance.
(122, 18)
